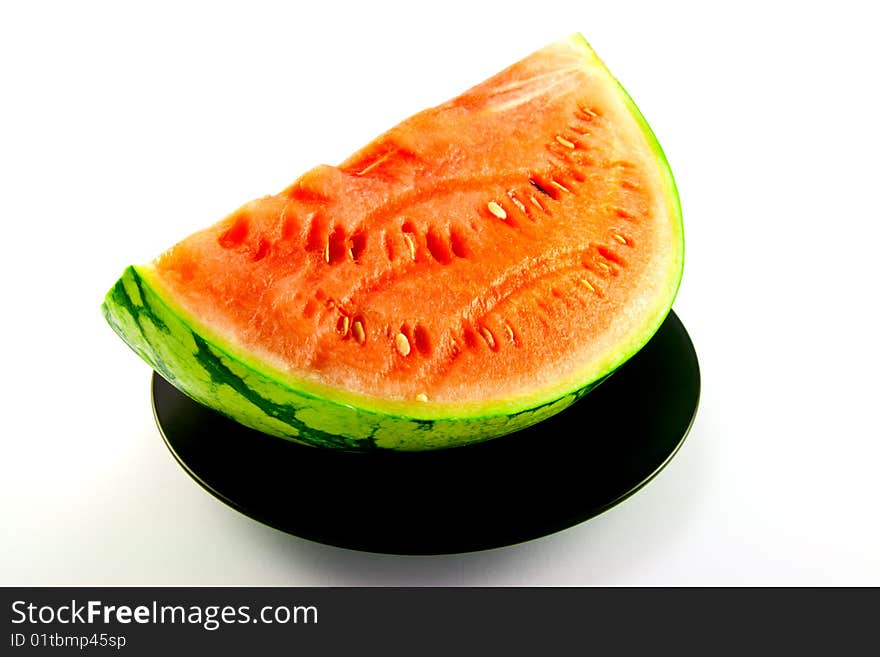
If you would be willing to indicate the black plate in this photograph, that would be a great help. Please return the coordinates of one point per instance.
(535, 482)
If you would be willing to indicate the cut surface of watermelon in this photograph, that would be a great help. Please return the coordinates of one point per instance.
(471, 271)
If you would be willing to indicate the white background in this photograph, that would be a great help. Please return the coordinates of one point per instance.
(123, 129)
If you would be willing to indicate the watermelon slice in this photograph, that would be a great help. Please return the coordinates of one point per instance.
(473, 270)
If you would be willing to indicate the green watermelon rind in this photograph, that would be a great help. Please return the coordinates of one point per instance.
(211, 375)
(216, 373)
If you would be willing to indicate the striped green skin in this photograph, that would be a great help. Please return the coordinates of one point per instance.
(210, 375)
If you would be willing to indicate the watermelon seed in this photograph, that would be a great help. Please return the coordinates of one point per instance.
(335, 246)
(342, 325)
(623, 214)
(422, 397)
(488, 337)
(516, 201)
(358, 244)
(357, 330)
(508, 329)
(620, 238)
(497, 210)
(536, 202)
(376, 162)
(587, 111)
(560, 186)
(402, 344)
(586, 284)
(412, 245)
(603, 267)
(562, 140)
